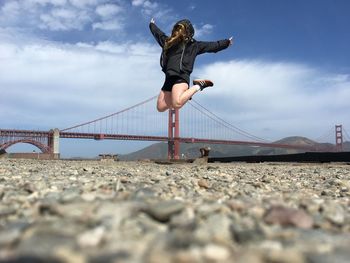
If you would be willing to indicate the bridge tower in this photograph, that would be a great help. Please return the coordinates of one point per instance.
(173, 135)
(339, 138)
(54, 143)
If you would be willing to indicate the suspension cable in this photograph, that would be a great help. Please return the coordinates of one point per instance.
(325, 135)
(227, 124)
(346, 135)
(113, 114)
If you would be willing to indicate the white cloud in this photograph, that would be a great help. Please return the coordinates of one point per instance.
(85, 3)
(9, 13)
(137, 2)
(150, 5)
(64, 19)
(206, 29)
(46, 2)
(62, 15)
(109, 19)
(154, 9)
(149, 8)
(108, 25)
(274, 100)
(108, 10)
(11, 8)
(192, 7)
(68, 84)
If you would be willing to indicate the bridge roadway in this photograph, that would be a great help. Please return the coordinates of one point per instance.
(100, 136)
(180, 139)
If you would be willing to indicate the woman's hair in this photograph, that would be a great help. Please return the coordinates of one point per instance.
(178, 35)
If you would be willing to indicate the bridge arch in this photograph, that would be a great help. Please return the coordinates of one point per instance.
(43, 148)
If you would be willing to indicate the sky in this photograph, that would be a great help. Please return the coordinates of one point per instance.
(64, 62)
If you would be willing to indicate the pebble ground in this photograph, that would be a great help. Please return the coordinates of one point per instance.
(93, 211)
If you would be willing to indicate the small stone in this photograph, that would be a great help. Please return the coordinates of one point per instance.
(70, 195)
(203, 183)
(43, 242)
(215, 253)
(270, 245)
(185, 219)
(74, 172)
(6, 211)
(236, 205)
(334, 213)
(311, 205)
(162, 211)
(288, 217)
(29, 187)
(144, 193)
(115, 256)
(249, 255)
(284, 256)
(257, 212)
(117, 185)
(206, 209)
(216, 228)
(69, 256)
(9, 237)
(88, 197)
(201, 161)
(340, 256)
(188, 256)
(91, 238)
(124, 180)
(243, 235)
(88, 169)
(73, 178)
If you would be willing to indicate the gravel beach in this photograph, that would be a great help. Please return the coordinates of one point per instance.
(93, 211)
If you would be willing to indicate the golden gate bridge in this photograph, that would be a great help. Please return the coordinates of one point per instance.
(140, 123)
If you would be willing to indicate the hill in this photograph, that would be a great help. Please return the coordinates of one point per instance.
(293, 140)
(159, 150)
(346, 146)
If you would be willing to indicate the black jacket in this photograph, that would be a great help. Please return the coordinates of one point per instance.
(189, 51)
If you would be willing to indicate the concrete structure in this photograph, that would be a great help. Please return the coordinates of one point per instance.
(46, 141)
(34, 155)
(108, 157)
(54, 143)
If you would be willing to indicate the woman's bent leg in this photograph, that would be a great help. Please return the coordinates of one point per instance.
(181, 94)
(164, 101)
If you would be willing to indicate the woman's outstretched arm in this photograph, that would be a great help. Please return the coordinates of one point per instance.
(158, 34)
(215, 46)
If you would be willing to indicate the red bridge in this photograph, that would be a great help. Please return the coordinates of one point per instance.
(142, 122)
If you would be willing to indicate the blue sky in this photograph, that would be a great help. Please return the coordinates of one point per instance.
(286, 74)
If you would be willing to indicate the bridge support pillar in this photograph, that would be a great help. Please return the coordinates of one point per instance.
(173, 135)
(54, 143)
(339, 138)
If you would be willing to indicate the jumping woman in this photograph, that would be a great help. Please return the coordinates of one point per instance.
(177, 60)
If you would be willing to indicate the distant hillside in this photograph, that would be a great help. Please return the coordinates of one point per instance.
(346, 146)
(294, 140)
(188, 150)
(160, 150)
(154, 151)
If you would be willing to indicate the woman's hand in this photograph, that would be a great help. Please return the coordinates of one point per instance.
(231, 40)
(152, 20)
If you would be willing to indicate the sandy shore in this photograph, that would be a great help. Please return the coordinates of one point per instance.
(90, 211)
